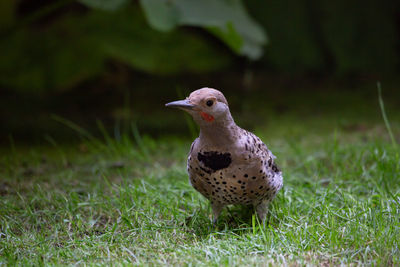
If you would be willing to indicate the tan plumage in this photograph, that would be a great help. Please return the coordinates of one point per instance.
(227, 164)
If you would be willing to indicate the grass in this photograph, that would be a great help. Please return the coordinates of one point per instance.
(128, 201)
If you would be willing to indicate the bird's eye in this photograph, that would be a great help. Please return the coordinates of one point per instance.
(209, 103)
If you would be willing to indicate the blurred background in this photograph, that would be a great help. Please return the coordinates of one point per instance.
(67, 64)
(93, 165)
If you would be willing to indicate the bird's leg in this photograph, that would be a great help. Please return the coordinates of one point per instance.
(262, 210)
(216, 210)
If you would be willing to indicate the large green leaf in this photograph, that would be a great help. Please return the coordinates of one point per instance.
(126, 36)
(73, 49)
(104, 4)
(161, 15)
(226, 19)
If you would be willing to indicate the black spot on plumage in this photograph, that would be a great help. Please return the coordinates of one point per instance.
(246, 175)
(275, 168)
(234, 176)
(224, 182)
(205, 170)
(253, 177)
(215, 160)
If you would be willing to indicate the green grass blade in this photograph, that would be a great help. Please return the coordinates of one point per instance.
(385, 119)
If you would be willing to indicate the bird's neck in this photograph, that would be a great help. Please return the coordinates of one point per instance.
(219, 133)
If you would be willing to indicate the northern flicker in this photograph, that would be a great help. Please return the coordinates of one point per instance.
(227, 164)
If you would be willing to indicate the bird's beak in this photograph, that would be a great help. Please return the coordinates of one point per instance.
(183, 104)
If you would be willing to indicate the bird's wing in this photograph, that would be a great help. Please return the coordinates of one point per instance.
(257, 152)
(192, 149)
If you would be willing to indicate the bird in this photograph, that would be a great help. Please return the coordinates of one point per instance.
(227, 164)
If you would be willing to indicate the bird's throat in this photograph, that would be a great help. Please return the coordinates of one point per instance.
(218, 133)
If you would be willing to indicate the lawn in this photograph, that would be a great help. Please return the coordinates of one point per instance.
(127, 200)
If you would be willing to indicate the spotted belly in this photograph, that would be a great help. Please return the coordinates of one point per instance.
(233, 184)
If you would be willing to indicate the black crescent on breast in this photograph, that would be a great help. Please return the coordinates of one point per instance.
(215, 160)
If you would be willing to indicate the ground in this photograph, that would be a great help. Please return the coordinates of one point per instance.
(127, 200)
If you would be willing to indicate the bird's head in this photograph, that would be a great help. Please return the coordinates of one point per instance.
(206, 105)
